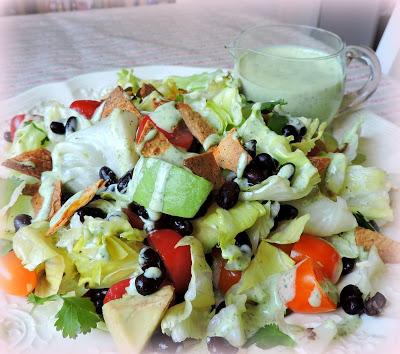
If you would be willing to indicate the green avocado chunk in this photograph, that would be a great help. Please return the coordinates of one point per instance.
(163, 187)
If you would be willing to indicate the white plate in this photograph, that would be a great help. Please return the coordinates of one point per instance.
(34, 333)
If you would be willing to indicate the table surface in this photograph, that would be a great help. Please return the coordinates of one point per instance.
(37, 49)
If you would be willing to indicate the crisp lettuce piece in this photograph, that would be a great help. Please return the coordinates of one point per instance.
(255, 301)
(76, 162)
(260, 230)
(366, 190)
(350, 141)
(147, 103)
(99, 252)
(365, 273)
(345, 244)
(335, 174)
(220, 227)
(327, 217)
(10, 189)
(289, 231)
(275, 187)
(315, 130)
(30, 136)
(127, 78)
(38, 252)
(190, 318)
(230, 101)
(197, 82)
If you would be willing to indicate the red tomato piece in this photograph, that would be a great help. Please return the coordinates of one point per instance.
(321, 252)
(117, 290)
(285, 248)
(15, 123)
(85, 107)
(228, 278)
(310, 296)
(177, 261)
(14, 278)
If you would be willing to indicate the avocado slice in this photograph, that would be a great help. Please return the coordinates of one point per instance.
(132, 320)
(163, 187)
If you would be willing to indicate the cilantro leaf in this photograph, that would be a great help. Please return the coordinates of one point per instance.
(362, 221)
(77, 315)
(37, 300)
(276, 122)
(270, 336)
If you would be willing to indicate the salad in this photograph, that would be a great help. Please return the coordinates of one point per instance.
(176, 214)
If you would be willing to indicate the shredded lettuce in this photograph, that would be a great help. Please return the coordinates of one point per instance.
(30, 136)
(260, 230)
(315, 130)
(335, 174)
(327, 217)
(366, 190)
(230, 101)
(220, 227)
(127, 78)
(190, 318)
(289, 231)
(345, 244)
(350, 141)
(275, 187)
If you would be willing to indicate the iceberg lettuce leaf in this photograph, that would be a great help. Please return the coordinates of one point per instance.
(29, 136)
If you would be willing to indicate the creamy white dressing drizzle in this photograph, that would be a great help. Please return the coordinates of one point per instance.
(297, 123)
(211, 140)
(286, 171)
(166, 116)
(275, 207)
(157, 198)
(98, 112)
(287, 286)
(175, 156)
(315, 297)
(152, 273)
(136, 177)
(242, 163)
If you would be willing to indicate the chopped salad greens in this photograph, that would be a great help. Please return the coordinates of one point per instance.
(212, 216)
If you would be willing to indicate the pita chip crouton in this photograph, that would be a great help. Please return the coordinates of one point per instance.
(198, 126)
(229, 151)
(320, 162)
(31, 189)
(76, 202)
(204, 165)
(151, 141)
(145, 90)
(55, 204)
(37, 202)
(388, 249)
(32, 163)
(119, 99)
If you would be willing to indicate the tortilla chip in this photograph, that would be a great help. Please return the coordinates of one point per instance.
(228, 152)
(31, 189)
(204, 165)
(118, 99)
(55, 204)
(389, 250)
(320, 162)
(198, 126)
(37, 202)
(86, 197)
(157, 145)
(32, 163)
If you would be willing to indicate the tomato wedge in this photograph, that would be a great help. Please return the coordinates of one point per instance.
(310, 295)
(85, 107)
(14, 278)
(180, 137)
(228, 278)
(15, 123)
(117, 290)
(177, 261)
(321, 252)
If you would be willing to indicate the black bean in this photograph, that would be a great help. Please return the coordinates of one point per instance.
(219, 345)
(123, 182)
(286, 212)
(290, 130)
(250, 146)
(183, 226)
(204, 207)
(220, 306)
(147, 286)
(242, 239)
(374, 305)
(161, 343)
(149, 258)
(348, 265)
(267, 162)
(228, 195)
(71, 125)
(57, 128)
(254, 174)
(93, 212)
(97, 297)
(209, 259)
(351, 300)
(303, 131)
(65, 195)
(22, 220)
(7, 137)
(139, 210)
(108, 175)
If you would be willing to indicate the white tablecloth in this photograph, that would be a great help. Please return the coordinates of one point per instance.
(38, 49)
